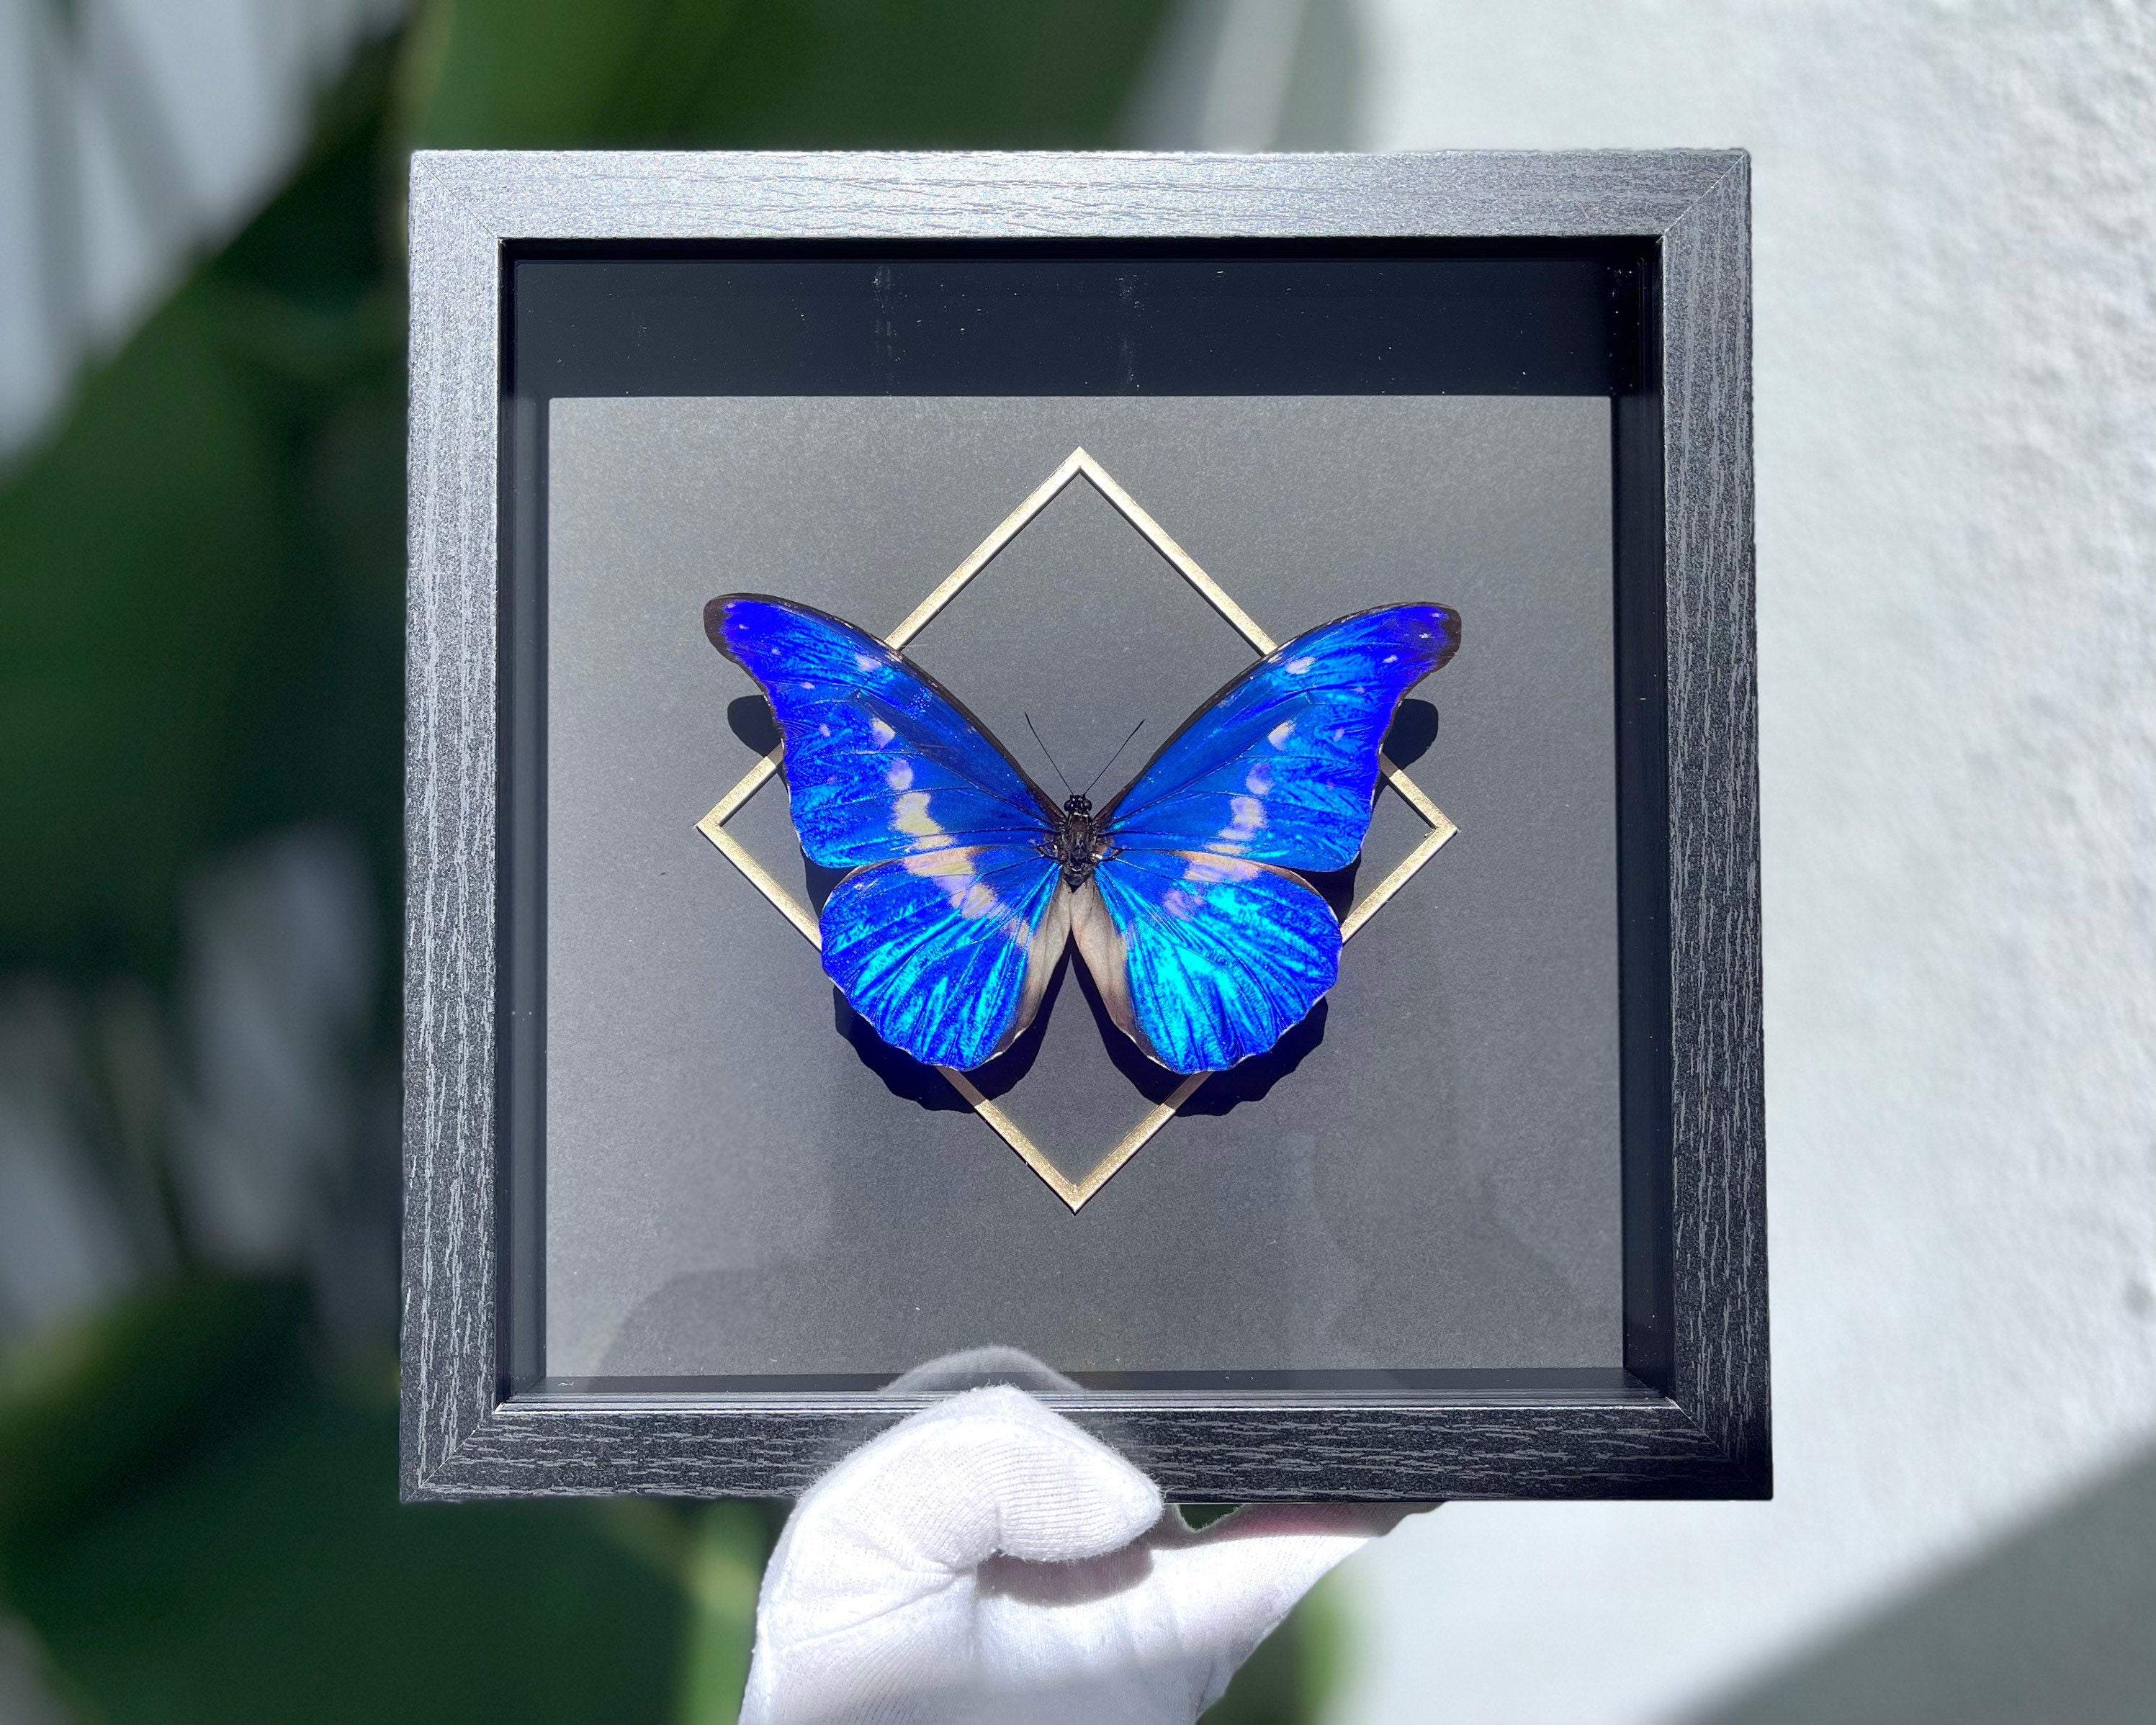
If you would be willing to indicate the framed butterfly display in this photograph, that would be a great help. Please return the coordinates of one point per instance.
(1176, 799)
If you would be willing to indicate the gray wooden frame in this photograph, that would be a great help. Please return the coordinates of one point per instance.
(1708, 1435)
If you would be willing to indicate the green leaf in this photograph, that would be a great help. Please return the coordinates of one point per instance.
(779, 73)
(87, 1408)
(252, 1561)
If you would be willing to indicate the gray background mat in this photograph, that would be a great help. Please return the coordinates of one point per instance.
(739, 1181)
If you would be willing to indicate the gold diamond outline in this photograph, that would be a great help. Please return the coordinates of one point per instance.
(1075, 1194)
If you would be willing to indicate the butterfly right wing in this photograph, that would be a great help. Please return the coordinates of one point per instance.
(944, 934)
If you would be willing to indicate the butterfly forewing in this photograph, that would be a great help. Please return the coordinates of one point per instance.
(1282, 765)
(880, 762)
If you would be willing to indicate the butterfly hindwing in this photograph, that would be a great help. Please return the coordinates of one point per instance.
(880, 762)
(1209, 959)
(944, 933)
(1282, 766)
(948, 952)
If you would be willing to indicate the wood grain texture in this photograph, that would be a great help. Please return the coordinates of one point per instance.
(1306, 1452)
(1709, 1438)
(1717, 1081)
(448, 1297)
(642, 195)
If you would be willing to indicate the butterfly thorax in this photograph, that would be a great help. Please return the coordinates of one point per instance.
(1078, 845)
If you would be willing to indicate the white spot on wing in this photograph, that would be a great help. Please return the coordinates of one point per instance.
(1279, 735)
(910, 815)
(953, 871)
(880, 731)
(1204, 869)
(1297, 667)
(1249, 815)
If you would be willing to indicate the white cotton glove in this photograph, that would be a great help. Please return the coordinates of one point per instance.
(986, 1559)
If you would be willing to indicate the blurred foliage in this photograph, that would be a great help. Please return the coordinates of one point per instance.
(1295, 1670)
(201, 640)
(776, 74)
(200, 634)
(228, 1544)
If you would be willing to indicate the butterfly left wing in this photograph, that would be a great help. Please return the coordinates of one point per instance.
(1205, 947)
(881, 761)
(944, 934)
(948, 952)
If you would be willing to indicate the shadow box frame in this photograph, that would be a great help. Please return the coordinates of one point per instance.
(1690, 1418)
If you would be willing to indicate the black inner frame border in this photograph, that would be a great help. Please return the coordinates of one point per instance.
(1630, 357)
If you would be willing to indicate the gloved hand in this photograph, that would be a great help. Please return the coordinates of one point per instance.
(985, 1559)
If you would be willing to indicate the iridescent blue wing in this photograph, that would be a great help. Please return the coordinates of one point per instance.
(1203, 960)
(881, 760)
(948, 952)
(1282, 766)
(945, 932)
(1204, 945)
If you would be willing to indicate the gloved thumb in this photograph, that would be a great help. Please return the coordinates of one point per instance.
(858, 1610)
(991, 1472)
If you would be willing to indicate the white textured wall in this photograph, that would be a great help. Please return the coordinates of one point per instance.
(1955, 212)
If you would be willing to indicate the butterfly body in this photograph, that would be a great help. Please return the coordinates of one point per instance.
(1079, 846)
(1183, 895)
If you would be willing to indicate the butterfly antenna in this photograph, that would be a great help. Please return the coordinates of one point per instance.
(1043, 749)
(1111, 761)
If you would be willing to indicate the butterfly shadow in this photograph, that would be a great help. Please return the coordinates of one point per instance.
(750, 718)
(1414, 729)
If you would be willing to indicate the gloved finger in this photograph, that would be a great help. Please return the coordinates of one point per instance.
(986, 1472)
(1226, 1589)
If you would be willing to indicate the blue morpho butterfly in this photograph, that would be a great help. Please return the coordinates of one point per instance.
(965, 878)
